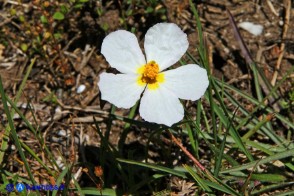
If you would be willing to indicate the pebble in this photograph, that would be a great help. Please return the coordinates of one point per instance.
(58, 109)
(252, 28)
(60, 163)
(63, 133)
(81, 88)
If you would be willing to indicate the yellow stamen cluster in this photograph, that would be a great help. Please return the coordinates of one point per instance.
(149, 74)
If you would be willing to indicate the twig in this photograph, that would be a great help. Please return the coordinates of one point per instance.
(21, 4)
(243, 77)
(87, 119)
(77, 36)
(93, 109)
(282, 47)
(260, 60)
(196, 162)
(87, 53)
(269, 3)
(7, 20)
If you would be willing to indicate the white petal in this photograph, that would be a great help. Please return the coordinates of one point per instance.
(165, 43)
(122, 51)
(186, 82)
(161, 106)
(121, 90)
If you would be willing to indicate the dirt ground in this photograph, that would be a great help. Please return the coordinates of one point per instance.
(73, 58)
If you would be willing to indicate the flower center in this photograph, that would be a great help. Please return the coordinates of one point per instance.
(150, 73)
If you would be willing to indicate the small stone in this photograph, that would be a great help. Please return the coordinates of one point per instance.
(63, 133)
(81, 88)
(252, 28)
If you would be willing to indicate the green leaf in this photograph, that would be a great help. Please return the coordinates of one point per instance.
(58, 16)
(22, 18)
(63, 9)
(24, 47)
(57, 36)
(129, 12)
(79, 5)
(13, 12)
(149, 10)
(43, 19)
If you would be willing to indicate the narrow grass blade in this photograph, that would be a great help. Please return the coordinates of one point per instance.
(51, 159)
(259, 104)
(271, 187)
(126, 129)
(257, 127)
(109, 122)
(77, 185)
(255, 124)
(286, 193)
(13, 132)
(206, 137)
(107, 149)
(225, 188)
(60, 178)
(94, 191)
(232, 130)
(156, 167)
(197, 178)
(31, 152)
(18, 94)
(202, 49)
(269, 177)
(132, 114)
(136, 186)
(193, 139)
(219, 158)
(278, 156)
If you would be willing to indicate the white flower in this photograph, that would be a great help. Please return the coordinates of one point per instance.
(165, 44)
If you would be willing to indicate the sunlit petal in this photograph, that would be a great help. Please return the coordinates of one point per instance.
(121, 90)
(165, 43)
(161, 106)
(186, 82)
(122, 51)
